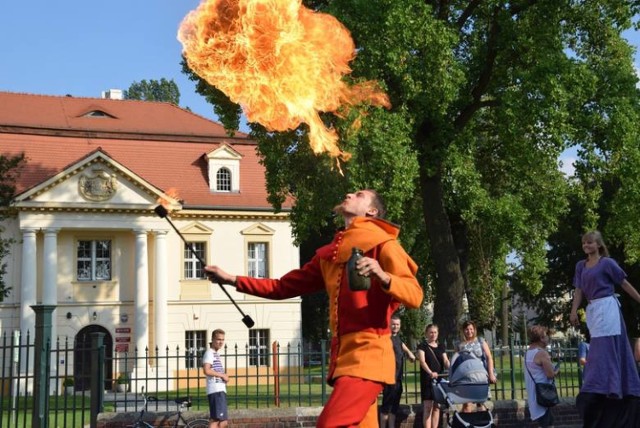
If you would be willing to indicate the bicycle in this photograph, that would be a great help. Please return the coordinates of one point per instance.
(182, 402)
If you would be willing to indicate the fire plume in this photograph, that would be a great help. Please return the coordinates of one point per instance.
(283, 63)
(172, 193)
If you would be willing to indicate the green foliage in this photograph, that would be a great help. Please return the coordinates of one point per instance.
(485, 98)
(123, 379)
(9, 171)
(154, 90)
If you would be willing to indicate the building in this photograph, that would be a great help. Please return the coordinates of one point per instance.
(87, 239)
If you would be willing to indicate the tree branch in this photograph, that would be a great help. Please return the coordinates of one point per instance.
(515, 9)
(471, 7)
(443, 11)
(485, 75)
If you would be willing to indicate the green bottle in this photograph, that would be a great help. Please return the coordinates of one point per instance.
(357, 282)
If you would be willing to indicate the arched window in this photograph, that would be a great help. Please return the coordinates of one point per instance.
(223, 180)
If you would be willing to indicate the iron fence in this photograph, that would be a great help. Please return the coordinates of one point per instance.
(292, 375)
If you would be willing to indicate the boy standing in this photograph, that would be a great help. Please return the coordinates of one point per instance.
(216, 381)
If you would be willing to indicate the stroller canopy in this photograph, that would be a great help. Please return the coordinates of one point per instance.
(467, 368)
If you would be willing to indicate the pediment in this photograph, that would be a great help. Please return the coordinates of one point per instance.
(258, 229)
(96, 181)
(224, 152)
(196, 228)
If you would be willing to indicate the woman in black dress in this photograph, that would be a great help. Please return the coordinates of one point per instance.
(433, 361)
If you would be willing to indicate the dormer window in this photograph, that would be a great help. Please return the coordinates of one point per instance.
(224, 170)
(98, 114)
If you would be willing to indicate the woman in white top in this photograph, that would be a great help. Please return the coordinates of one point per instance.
(539, 365)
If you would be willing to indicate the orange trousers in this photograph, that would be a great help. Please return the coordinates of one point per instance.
(353, 403)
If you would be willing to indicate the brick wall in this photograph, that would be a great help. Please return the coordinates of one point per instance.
(505, 413)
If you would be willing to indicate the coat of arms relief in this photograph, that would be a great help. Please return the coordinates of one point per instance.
(97, 185)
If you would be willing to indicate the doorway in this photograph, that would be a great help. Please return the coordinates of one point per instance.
(82, 359)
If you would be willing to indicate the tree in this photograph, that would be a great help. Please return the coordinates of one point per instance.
(154, 90)
(9, 170)
(486, 95)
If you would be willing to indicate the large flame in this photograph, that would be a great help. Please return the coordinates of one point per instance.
(282, 62)
(172, 193)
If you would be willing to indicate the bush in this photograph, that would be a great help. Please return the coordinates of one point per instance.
(123, 379)
(68, 381)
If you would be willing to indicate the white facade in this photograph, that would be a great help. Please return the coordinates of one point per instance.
(148, 301)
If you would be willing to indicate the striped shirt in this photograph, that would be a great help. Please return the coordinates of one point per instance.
(214, 383)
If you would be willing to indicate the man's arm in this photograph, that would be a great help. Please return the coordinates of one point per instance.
(408, 352)
(207, 369)
(305, 280)
(403, 285)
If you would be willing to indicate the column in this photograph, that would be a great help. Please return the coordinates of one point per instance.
(50, 278)
(28, 284)
(160, 293)
(141, 297)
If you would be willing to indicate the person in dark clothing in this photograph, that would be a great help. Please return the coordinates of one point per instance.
(391, 393)
(433, 362)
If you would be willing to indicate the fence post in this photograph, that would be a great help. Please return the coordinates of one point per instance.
(97, 377)
(42, 365)
(275, 348)
(323, 360)
(512, 364)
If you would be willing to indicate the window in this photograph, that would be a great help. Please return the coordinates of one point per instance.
(193, 269)
(259, 347)
(257, 260)
(223, 180)
(194, 346)
(94, 260)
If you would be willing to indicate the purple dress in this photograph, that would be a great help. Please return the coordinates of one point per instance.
(610, 368)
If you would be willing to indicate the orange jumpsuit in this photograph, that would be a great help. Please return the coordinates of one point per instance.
(361, 346)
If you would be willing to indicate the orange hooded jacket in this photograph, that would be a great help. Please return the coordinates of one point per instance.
(361, 345)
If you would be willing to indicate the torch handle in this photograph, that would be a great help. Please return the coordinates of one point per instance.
(246, 319)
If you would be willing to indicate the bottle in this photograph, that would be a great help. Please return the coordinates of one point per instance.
(357, 282)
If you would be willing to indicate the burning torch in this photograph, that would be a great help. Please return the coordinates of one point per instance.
(163, 213)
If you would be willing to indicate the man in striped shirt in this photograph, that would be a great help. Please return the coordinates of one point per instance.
(216, 381)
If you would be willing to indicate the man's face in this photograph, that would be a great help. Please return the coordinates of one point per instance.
(395, 326)
(217, 342)
(358, 204)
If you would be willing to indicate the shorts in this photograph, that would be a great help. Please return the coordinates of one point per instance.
(218, 406)
(545, 420)
(391, 398)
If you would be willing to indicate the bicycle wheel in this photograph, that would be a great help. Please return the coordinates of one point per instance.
(198, 423)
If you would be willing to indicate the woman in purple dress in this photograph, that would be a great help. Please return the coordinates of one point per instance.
(610, 370)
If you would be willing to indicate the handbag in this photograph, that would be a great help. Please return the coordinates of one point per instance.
(546, 393)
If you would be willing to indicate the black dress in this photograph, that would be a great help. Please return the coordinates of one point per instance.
(434, 357)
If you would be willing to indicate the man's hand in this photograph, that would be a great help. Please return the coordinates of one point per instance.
(215, 274)
(370, 267)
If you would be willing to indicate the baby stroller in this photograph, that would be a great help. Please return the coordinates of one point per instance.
(468, 383)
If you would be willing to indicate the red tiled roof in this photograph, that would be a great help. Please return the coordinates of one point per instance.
(130, 116)
(160, 142)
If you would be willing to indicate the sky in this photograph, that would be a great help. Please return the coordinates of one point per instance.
(82, 48)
